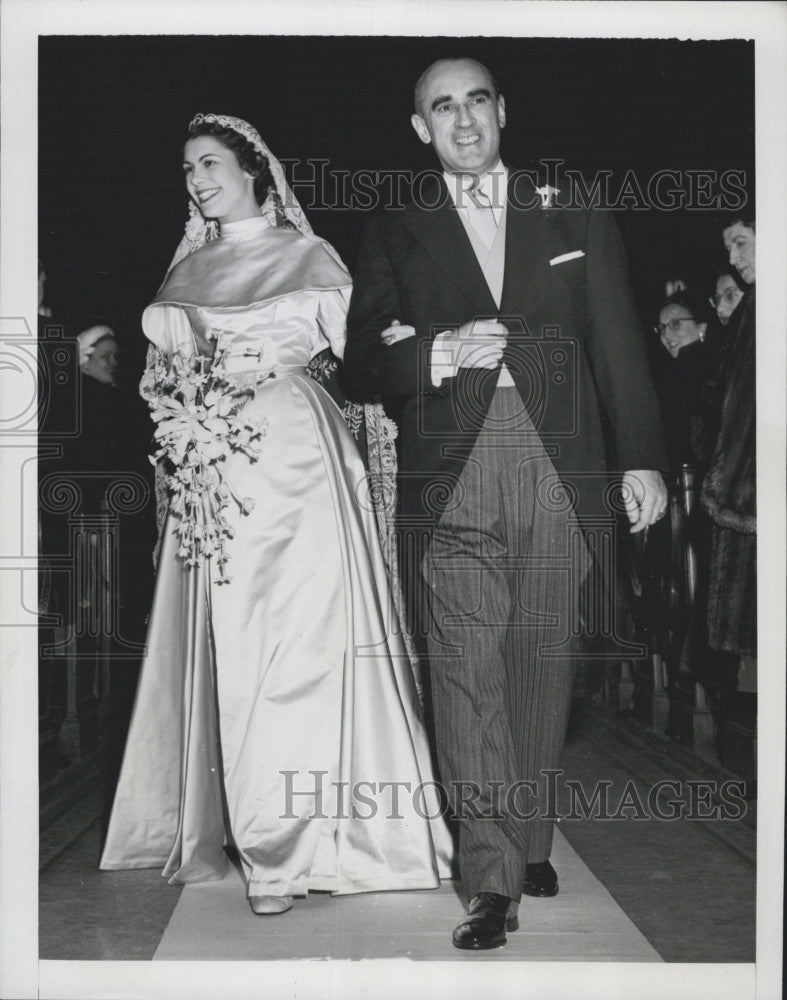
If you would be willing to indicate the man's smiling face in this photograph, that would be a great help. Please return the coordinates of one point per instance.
(460, 114)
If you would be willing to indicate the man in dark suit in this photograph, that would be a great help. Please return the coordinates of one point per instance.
(499, 327)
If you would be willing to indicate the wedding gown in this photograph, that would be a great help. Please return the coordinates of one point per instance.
(273, 709)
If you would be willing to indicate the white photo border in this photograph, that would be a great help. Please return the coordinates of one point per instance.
(23, 21)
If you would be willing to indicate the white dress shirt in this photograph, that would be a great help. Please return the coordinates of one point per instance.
(474, 204)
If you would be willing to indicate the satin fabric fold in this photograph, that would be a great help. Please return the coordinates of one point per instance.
(235, 272)
(290, 678)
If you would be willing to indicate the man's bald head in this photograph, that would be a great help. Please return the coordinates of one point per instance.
(461, 113)
(423, 80)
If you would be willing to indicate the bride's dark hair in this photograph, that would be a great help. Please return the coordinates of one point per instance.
(250, 159)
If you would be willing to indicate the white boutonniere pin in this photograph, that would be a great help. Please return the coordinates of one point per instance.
(547, 194)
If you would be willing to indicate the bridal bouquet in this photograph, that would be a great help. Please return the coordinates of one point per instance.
(196, 409)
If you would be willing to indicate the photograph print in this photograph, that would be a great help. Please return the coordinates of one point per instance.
(396, 502)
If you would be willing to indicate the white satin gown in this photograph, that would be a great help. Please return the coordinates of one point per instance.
(271, 710)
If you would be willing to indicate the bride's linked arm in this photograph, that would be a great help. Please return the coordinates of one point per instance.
(168, 328)
(332, 323)
(204, 343)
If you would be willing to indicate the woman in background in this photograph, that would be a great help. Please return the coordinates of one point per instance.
(727, 294)
(693, 346)
(729, 489)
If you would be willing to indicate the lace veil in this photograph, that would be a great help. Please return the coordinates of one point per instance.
(282, 209)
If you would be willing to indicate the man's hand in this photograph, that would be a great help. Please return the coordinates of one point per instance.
(478, 344)
(645, 497)
(396, 332)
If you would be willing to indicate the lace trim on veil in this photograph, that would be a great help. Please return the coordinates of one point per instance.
(381, 434)
(281, 209)
(155, 365)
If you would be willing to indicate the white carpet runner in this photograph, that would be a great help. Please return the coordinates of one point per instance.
(213, 920)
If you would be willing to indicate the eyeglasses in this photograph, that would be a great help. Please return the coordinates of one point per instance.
(730, 295)
(673, 326)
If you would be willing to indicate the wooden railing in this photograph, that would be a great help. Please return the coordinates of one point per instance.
(663, 690)
(80, 635)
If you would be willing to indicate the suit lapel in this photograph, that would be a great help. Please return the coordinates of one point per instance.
(528, 239)
(442, 235)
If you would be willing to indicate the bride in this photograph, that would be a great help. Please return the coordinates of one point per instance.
(274, 687)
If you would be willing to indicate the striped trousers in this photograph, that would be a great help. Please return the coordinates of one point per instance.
(501, 577)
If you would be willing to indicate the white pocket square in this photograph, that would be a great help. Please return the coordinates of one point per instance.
(566, 256)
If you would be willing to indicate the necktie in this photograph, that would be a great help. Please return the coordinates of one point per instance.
(482, 218)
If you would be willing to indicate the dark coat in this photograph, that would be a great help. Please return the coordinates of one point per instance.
(680, 386)
(575, 348)
(729, 496)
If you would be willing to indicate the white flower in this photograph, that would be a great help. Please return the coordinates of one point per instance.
(197, 412)
(547, 193)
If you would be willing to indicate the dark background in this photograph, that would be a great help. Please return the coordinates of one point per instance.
(113, 112)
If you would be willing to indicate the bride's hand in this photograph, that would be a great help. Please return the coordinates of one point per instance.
(396, 332)
(204, 338)
(206, 346)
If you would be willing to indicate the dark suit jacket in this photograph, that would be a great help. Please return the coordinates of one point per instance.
(575, 345)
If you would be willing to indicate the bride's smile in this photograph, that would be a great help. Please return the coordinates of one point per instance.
(216, 181)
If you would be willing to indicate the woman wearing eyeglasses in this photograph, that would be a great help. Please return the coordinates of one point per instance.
(693, 344)
(684, 373)
(728, 294)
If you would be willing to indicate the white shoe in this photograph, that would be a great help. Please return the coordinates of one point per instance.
(270, 904)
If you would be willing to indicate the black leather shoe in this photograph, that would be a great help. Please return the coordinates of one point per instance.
(540, 880)
(485, 924)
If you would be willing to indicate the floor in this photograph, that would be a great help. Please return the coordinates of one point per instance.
(632, 889)
(582, 922)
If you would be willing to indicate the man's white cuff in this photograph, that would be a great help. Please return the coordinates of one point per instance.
(442, 360)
